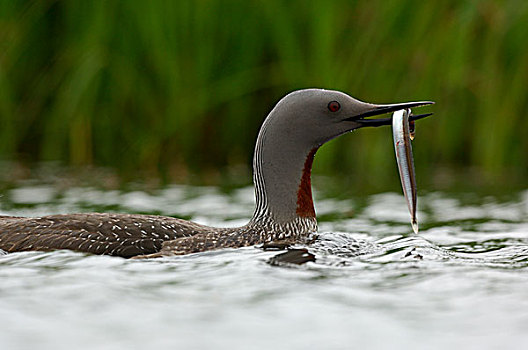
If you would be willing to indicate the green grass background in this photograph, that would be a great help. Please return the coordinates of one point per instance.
(178, 89)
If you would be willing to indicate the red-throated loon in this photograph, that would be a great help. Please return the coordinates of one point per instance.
(289, 137)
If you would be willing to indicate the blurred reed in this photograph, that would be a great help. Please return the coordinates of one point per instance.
(164, 87)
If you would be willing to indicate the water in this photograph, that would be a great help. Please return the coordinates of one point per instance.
(462, 282)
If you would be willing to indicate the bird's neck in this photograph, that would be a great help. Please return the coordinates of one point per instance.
(282, 167)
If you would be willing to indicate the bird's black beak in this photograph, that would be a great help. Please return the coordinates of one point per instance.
(383, 109)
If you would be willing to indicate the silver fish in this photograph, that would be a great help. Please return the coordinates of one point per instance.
(404, 158)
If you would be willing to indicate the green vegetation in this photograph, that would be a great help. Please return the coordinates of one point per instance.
(178, 87)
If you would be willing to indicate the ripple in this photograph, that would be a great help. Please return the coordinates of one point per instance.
(464, 275)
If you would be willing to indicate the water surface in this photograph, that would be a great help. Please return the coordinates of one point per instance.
(462, 282)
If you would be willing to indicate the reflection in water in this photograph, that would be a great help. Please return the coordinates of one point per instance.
(461, 282)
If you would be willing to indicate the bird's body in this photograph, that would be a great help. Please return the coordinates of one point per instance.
(129, 235)
(289, 137)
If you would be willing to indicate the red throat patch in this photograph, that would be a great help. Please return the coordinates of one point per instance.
(305, 206)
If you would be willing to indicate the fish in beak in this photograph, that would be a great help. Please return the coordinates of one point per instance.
(402, 122)
(404, 157)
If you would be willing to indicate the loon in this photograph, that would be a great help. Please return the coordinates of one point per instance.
(291, 134)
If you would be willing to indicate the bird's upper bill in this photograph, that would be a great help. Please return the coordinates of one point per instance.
(383, 109)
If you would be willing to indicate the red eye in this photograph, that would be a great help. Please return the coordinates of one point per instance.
(334, 106)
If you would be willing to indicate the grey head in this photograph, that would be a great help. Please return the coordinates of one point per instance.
(289, 137)
(316, 116)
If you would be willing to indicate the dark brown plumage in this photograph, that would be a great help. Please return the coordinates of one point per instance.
(138, 236)
(113, 234)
